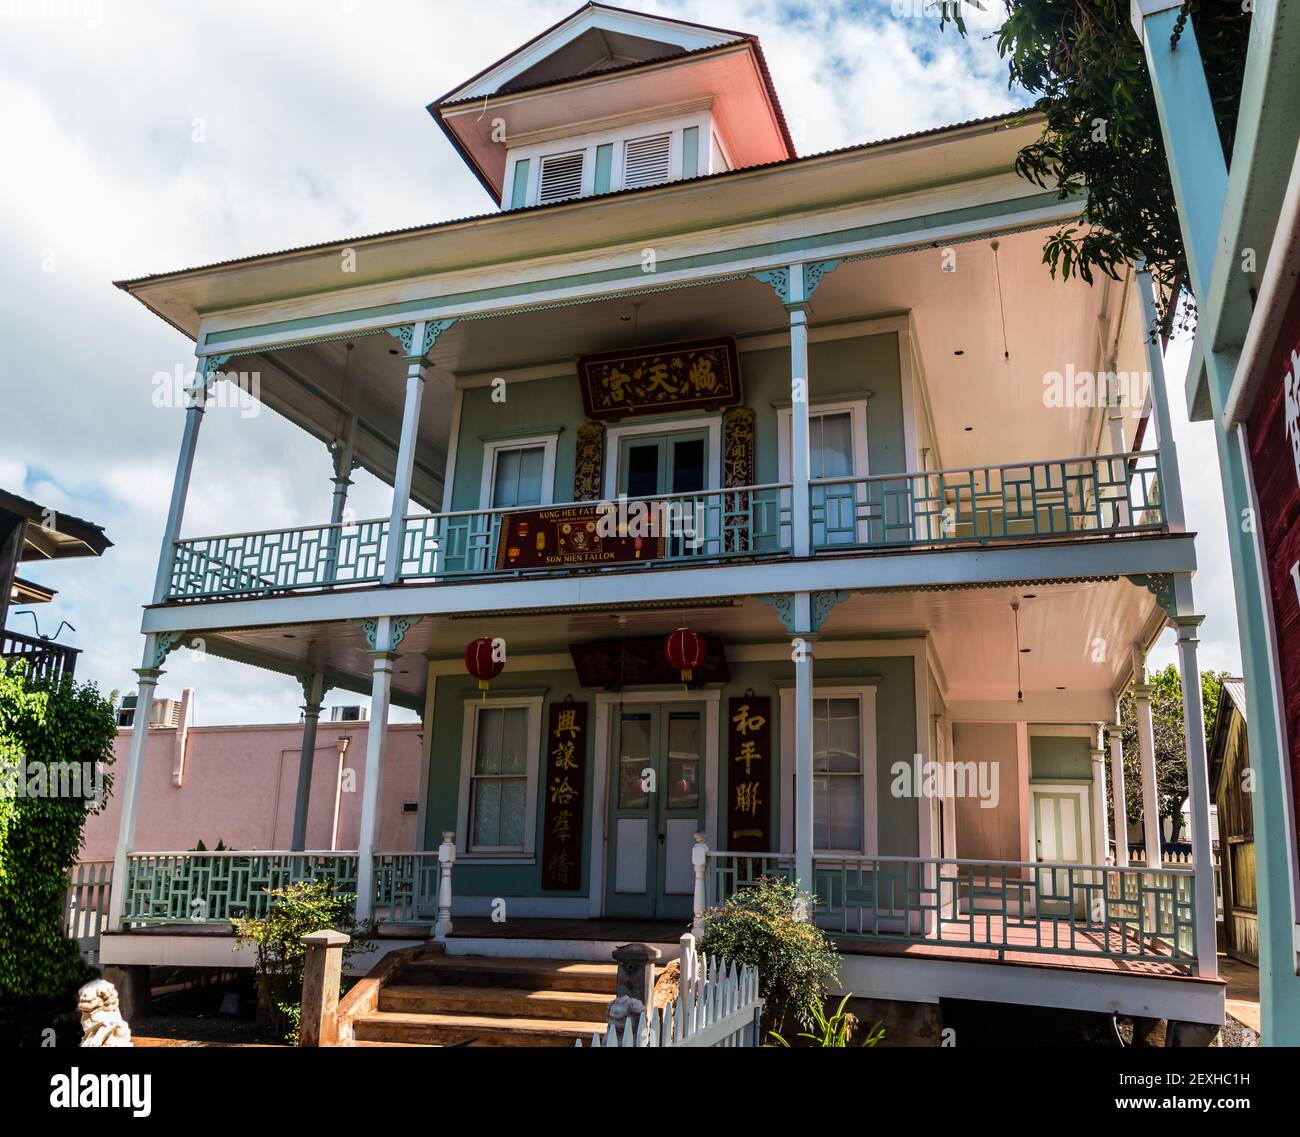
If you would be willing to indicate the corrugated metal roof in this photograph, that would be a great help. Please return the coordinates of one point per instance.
(1236, 691)
(863, 147)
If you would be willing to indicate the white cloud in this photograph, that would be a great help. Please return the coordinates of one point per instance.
(142, 137)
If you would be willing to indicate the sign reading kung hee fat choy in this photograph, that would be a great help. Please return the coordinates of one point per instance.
(690, 375)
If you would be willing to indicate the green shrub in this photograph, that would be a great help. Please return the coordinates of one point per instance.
(48, 728)
(837, 1030)
(296, 910)
(765, 927)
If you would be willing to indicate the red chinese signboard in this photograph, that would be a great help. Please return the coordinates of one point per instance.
(567, 537)
(749, 772)
(566, 765)
(1273, 430)
(683, 376)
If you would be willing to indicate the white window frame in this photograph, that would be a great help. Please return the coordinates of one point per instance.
(857, 409)
(675, 126)
(866, 696)
(614, 436)
(468, 739)
(495, 446)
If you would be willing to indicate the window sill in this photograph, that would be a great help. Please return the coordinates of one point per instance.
(482, 858)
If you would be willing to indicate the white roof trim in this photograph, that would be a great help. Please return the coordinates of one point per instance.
(627, 23)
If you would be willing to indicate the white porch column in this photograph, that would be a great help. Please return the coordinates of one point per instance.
(1171, 487)
(313, 692)
(1198, 792)
(342, 469)
(195, 400)
(376, 745)
(800, 525)
(1100, 823)
(1147, 757)
(415, 367)
(129, 793)
(802, 650)
(1118, 791)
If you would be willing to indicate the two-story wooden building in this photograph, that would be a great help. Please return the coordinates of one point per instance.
(914, 502)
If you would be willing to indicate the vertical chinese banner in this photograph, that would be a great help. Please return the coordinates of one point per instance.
(749, 765)
(566, 768)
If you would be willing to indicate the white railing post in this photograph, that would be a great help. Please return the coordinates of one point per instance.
(687, 961)
(699, 863)
(1118, 791)
(1198, 792)
(446, 858)
(130, 793)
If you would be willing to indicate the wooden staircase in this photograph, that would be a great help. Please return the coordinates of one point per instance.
(440, 1000)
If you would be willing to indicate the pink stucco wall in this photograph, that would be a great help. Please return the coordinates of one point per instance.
(239, 783)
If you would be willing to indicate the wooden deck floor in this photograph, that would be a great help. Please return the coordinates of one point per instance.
(538, 928)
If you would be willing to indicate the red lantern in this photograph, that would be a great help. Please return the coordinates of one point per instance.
(482, 663)
(684, 650)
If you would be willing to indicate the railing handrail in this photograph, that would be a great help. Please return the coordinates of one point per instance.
(38, 642)
(284, 529)
(859, 858)
(903, 474)
(244, 853)
(600, 500)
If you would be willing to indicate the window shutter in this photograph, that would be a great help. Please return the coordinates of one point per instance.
(561, 177)
(647, 161)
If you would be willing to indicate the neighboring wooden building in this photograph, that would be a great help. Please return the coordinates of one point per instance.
(1229, 763)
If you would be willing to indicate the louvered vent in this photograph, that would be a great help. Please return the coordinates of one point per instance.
(561, 177)
(646, 161)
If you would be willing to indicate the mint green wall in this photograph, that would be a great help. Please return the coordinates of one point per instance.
(1052, 758)
(840, 369)
(530, 408)
(895, 742)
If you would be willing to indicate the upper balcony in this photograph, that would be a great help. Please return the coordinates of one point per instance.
(951, 403)
(1084, 498)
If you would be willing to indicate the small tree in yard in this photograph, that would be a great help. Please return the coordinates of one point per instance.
(767, 927)
(56, 737)
(296, 910)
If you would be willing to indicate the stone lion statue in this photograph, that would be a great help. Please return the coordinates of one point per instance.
(102, 1023)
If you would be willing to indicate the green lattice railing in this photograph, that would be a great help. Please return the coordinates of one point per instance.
(1017, 907)
(203, 887)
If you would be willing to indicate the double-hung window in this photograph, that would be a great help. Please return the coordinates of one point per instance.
(500, 755)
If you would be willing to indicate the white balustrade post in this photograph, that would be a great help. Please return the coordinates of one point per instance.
(1171, 487)
(376, 745)
(130, 789)
(1118, 791)
(1198, 792)
(446, 858)
(313, 692)
(699, 863)
(1100, 825)
(800, 469)
(804, 810)
(196, 397)
(405, 469)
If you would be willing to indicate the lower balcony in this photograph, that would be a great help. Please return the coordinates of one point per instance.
(1086, 498)
(44, 658)
(1080, 917)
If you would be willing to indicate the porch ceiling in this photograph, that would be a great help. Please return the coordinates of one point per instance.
(987, 408)
(1076, 635)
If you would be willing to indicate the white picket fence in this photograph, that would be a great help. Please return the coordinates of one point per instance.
(717, 1005)
(87, 904)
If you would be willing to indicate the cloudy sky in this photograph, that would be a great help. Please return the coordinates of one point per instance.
(144, 136)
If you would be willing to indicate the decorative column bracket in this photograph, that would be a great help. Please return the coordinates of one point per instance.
(165, 644)
(306, 682)
(399, 625)
(1161, 586)
(432, 330)
(813, 272)
(782, 603)
(823, 602)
